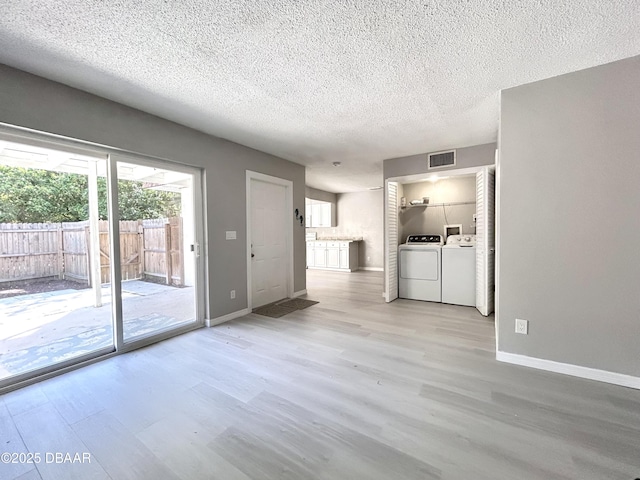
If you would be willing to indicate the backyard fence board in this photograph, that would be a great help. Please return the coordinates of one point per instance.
(150, 248)
(154, 248)
(176, 252)
(28, 250)
(129, 253)
(74, 251)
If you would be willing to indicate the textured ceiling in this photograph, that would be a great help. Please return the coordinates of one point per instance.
(317, 82)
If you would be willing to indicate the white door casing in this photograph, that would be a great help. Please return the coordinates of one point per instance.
(269, 239)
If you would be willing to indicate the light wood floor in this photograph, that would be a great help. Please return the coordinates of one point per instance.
(351, 388)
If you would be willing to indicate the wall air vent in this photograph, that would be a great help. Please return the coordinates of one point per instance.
(441, 159)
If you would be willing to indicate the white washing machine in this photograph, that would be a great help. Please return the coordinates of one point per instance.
(419, 268)
(459, 270)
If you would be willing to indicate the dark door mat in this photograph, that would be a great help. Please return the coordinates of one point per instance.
(273, 311)
(297, 303)
(281, 308)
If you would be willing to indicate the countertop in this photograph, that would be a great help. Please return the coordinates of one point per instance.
(337, 239)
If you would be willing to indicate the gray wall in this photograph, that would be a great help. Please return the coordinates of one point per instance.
(569, 218)
(432, 219)
(321, 195)
(466, 157)
(34, 102)
(359, 214)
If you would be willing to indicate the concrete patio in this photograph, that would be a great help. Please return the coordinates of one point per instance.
(41, 329)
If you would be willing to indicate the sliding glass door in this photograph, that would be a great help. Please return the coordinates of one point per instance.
(158, 260)
(55, 307)
(99, 253)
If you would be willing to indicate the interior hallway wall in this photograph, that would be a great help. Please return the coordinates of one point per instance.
(569, 187)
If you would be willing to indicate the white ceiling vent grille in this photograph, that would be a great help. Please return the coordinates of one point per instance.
(442, 159)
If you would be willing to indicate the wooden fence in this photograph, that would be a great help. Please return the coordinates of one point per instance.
(149, 249)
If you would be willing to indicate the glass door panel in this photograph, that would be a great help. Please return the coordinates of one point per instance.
(55, 306)
(158, 262)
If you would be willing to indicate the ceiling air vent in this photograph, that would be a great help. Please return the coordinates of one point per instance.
(442, 159)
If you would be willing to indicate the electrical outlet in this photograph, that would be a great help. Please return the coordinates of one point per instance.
(233, 294)
(522, 326)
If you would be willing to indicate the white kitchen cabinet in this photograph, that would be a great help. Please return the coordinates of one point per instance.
(310, 259)
(333, 255)
(344, 257)
(320, 254)
(327, 215)
(320, 214)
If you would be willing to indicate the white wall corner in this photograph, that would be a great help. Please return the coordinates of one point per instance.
(225, 318)
(299, 293)
(569, 369)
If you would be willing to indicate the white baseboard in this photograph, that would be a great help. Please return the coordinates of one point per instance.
(372, 269)
(299, 293)
(331, 269)
(569, 369)
(225, 318)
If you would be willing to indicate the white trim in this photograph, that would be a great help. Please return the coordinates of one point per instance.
(497, 242)
(225, 318)
(288, 184)
(299, 293)
(201, 246)
(114, 252)
(569, 369)
(372, 269)
(94, 232)
(334, 269)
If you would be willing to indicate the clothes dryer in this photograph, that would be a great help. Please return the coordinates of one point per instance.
(419, 268)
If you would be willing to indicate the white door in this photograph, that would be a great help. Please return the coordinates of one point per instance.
(269, 249)
(485, 240)
(391, 243)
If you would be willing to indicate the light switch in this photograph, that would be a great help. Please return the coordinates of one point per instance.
(231, 234)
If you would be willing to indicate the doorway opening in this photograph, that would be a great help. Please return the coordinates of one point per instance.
(472, 214)
(269, 239)
(66, 294)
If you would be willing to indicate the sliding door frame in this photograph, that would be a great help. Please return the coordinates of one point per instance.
(112, 156)
(116, 273)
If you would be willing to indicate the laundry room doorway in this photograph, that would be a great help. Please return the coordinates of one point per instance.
(481, 186)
